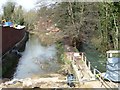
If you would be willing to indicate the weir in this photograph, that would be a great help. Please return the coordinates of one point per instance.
(83, 72)
(36, 60)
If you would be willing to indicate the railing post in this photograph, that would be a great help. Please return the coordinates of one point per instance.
(89, 64)
(85, 60)
(110, 55)
(82, 57)
(94, 72)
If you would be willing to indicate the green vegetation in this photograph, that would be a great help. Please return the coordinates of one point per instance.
(16, 14)
(93, 27)
(60, 52)
(91, 23)
(12, 13)
(8, 10)
(116, 55)
(109, 25)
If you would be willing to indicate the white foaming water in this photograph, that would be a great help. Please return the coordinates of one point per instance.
(36, 60)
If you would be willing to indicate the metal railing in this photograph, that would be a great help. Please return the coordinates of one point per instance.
(97, 73)
(93, 70)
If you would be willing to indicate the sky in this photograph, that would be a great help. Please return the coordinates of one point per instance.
(27, 4)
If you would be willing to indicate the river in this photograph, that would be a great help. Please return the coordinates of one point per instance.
(36, 60)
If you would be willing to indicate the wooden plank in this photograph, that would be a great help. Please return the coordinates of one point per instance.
(113, 51)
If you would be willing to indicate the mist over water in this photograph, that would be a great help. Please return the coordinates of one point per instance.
(36, 60)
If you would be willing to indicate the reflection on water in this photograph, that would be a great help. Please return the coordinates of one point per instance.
(36, 60)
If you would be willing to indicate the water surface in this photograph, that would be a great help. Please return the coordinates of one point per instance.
(36, 60)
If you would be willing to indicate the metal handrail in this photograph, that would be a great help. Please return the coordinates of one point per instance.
(95, 70)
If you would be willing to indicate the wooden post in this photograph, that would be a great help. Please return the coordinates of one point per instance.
(94, 71)
(110, 55)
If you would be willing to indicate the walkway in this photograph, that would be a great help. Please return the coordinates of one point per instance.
(82, 68)
(85, 78)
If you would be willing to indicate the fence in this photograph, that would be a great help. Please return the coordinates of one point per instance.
(97, 73)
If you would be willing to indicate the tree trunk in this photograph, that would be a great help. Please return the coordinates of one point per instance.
(116, 33)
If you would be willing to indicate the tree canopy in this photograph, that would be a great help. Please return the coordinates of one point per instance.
(85, 22)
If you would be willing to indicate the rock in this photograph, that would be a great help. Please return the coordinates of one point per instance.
(5, 79)
(1, 81)
(27, 82)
